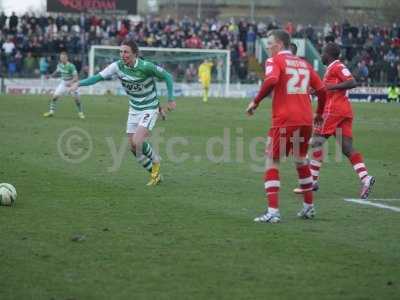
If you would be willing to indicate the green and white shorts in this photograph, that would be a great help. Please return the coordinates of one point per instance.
(145, 118)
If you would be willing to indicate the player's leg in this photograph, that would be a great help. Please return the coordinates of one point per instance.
(133, 140)
(317, 156)
(321, 134)
(271, 178)
(146, 156)
(137, 142)
(356, 159)
(78, 104)
(142, 124)
(300, 141)
(272, 186)
(206, 86)
(60, 90)
(52, 107)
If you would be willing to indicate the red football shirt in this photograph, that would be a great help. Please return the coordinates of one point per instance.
(291, 102)
(337, 102)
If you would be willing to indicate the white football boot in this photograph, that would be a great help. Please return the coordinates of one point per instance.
(268, 217)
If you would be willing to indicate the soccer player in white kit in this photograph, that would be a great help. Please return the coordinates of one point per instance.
(69, 76)
(137, 77)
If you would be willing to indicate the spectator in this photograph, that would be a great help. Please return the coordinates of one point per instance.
(12, 67)
(3, 20)
(361, 72)
(13, 22)
(29, 64)
(190, 74)
(251, 40)
(242, 71)
(289, 28)
(8, 47)
(392, 73)
(374, 72)
(43, 67)
(19, 62)
(377, 46)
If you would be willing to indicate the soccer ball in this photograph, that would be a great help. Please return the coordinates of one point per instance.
(8, 194)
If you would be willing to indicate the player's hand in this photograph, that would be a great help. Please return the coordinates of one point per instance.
(73, 87)
(318, 120)
(330, 87)
(171, 105)
(162, 113)
(251, 108)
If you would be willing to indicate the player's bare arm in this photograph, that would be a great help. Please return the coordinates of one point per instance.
(52, 75)
(73, 82)
(266, 88)
(345, 85)
(251, 108)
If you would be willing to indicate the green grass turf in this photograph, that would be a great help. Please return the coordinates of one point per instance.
(193, 236)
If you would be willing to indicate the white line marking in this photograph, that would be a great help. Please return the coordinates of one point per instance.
(366, 202)
(393, 199)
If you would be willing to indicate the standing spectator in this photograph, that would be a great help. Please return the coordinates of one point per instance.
(3, 20)
(289, 27)
(392, 74)
(193, 42)
(251, 40)
(43, 68)
(19, 62)
(190, 74)
(374, 72)
(11, 67)
(242, 71)
(398, 72)
(29, 64)
(13, 22)
(361, 72)
(241, 51)
(8, 47)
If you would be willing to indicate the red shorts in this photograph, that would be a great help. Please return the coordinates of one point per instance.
(282, 141)
(335, 125)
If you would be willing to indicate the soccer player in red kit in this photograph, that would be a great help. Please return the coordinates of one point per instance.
(337, 120)
(290, 79)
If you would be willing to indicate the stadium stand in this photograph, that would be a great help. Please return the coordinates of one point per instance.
(29, 44)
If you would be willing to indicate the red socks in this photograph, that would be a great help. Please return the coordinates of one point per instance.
(357, 161)
(306, 183)
(272, 185)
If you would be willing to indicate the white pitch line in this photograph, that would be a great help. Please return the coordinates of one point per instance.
(389, 200)
(366, 202)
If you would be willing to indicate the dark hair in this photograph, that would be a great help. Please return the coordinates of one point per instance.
(64, 52)
(131, 44)
(333, 50)
(282, 36)
(293, 48)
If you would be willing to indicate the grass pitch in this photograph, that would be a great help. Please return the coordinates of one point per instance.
(85, 226)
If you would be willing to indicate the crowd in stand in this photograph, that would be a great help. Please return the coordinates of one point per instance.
(29, 44)
(371, 52)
